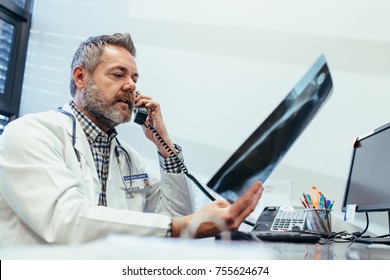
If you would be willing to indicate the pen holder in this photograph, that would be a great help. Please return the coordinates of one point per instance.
(319, 220)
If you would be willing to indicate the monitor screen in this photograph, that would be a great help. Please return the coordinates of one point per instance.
(257, 157)
(368, 184)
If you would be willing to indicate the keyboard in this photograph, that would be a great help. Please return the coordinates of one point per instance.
(277, 236)
(287, 236)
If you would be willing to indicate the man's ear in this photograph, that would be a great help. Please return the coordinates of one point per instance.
(80, 76)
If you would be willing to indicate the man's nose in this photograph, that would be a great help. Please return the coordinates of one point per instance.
(129, 85)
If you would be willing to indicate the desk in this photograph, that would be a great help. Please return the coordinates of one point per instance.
(152, 248)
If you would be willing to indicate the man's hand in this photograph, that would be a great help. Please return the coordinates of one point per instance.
(156, 120)
(219, 215)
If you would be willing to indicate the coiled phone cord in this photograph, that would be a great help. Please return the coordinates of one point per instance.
(179, 162)
(184, 168)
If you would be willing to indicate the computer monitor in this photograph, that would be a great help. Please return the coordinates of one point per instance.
(258, 156)
(368, 183)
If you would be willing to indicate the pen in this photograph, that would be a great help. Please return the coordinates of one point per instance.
(309, 200)
(305, 199)
(322, 199)
(303, 203)
(331, 205)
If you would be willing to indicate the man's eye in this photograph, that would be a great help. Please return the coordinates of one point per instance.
(118, 75)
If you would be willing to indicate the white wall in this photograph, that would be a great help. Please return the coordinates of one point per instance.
(220, 67)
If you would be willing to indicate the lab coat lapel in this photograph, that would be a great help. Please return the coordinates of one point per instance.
(82, 145)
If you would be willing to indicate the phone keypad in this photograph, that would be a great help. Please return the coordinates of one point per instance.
(289, 220)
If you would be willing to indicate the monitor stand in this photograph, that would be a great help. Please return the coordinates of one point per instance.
(388, 222)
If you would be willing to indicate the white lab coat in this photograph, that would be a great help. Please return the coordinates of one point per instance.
(47, 196)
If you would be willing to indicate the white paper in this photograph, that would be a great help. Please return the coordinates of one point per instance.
(350, 213)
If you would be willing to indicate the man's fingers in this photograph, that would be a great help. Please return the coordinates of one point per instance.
(246, 203)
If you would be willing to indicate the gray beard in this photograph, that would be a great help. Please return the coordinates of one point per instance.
(95, 103)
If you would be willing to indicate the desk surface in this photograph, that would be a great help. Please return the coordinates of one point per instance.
(124, 247)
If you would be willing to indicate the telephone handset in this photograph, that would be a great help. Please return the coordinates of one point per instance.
(140, 114)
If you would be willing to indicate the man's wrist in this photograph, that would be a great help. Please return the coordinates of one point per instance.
(166, 148)
(172, 164)
(179, 224)
(175, 229)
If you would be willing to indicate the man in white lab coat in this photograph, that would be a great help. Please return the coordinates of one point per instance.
(66, 178)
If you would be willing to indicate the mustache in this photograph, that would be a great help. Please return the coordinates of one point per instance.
(127, 100)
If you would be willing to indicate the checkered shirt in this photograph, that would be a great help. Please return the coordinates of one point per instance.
(100, 143)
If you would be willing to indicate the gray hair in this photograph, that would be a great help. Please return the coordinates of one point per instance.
(88, 54)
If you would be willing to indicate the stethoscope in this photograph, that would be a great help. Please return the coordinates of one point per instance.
(118, 150)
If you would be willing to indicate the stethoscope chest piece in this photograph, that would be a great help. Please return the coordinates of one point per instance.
(130, 194)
